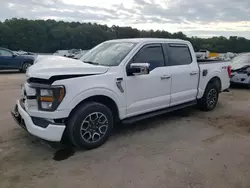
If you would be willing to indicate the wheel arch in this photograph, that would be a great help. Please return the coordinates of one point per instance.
(26, 61)
(215, 80)
(103, 99)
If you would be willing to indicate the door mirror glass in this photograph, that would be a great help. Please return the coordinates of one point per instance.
(138, 69)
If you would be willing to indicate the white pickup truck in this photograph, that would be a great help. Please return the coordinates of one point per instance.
(119, 80)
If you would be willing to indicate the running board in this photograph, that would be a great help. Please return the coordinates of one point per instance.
(158, 112)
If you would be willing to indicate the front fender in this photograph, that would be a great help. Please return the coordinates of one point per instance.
(95, 92)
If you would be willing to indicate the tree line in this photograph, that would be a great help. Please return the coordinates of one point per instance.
(47, 36)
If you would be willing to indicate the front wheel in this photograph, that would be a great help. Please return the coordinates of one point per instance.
(90, 125)
(25, 66)
(210, 97)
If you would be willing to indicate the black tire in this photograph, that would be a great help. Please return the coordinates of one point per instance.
(25, 66)
(211, 91)
(74, 131)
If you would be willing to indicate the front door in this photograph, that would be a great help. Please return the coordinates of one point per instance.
(148, 92)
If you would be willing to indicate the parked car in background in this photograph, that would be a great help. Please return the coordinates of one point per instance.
(82, 53)
(119, 80)
(11, 60)
(73, 52)
(68, 53)
(21, 52)
(61, 53)
(241, 69)
(202, 54)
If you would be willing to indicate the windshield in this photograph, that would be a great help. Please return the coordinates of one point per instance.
(109, 53)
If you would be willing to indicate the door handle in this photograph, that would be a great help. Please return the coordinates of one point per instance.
(165, 77)
(193, 73)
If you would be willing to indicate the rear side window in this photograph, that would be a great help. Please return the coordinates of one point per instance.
(151, 54)
(179, 54)
(5, 53)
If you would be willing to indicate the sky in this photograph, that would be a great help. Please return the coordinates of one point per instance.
(202, 18)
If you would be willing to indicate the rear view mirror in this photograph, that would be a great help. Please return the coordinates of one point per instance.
(138, 69)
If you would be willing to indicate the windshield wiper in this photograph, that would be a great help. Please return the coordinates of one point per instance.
(91, 62)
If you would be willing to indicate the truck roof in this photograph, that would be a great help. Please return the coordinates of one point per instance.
(147, 40)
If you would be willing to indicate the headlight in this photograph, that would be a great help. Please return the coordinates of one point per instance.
(49, 98)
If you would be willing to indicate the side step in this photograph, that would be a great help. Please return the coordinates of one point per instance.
(158, 112)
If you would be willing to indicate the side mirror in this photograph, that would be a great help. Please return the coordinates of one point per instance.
(13, 55)
(138, 69)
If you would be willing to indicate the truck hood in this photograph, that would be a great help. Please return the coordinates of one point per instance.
(50, 66)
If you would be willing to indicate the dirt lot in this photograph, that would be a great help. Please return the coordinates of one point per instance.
(188, 148)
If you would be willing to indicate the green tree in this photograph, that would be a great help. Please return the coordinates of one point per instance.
(51, 35)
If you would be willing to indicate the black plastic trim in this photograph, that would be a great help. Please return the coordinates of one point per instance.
(30, 97)
(41, 122)
(158, 112)
(54, 78)
(209, 61)
(204, 72)
(38, 81)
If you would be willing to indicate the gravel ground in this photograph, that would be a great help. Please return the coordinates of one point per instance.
(188, 148)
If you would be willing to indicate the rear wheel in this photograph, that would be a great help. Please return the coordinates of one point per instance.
(25, 66)
(90, 125)
(210, 97)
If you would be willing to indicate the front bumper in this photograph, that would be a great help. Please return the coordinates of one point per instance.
(52, 132)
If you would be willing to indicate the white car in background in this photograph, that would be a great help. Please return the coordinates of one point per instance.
(61, 53)
(202, 54)
(81, 54)
(241, 69)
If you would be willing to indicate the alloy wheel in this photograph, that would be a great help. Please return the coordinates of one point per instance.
(212, 98)
(94, 127)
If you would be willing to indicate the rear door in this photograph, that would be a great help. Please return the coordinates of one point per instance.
(151, 91)
(184, 73)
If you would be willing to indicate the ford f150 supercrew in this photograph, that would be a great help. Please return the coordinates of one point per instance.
(118, 80)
